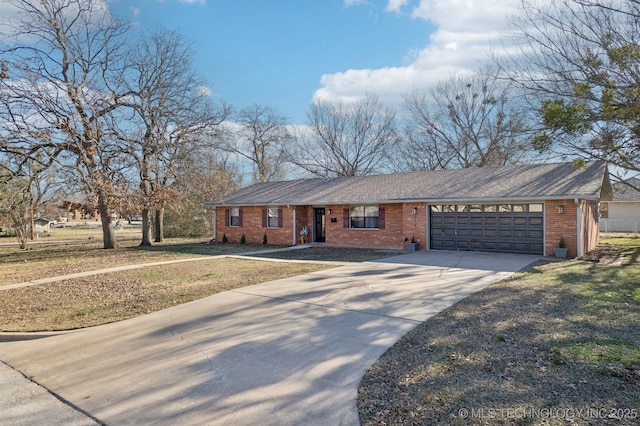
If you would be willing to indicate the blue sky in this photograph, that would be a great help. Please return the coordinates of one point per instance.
(275, 52)
(286, 53)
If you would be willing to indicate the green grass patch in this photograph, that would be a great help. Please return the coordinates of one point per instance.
(559, 335)
(607, 351)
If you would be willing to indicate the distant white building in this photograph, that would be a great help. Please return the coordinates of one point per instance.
(623, 213)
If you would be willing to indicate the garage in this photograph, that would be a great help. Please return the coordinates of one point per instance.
(508, 228)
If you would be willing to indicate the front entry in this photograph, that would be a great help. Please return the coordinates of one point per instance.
(318, 225)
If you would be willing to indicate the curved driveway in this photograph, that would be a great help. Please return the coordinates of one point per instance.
(285, 352)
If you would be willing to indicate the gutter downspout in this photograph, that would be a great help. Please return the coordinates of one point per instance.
(579, 228)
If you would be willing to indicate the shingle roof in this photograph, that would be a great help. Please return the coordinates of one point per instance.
(542, 181)
(622, 192)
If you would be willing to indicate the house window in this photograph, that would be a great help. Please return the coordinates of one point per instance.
(364, 216)
(234, 216)
(272, 218)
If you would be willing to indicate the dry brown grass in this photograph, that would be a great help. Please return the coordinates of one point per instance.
(51, 260)
(104, 298)
(100, 299)
(557, 344)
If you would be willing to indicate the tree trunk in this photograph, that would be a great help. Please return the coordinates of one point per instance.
(146, 188)
(146, 228)
(22, 238)
(108, 233)
(159, 225)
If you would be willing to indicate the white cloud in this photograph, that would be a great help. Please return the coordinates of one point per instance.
(204, 91)
(395, 5)
(466, 33)
(193, 1)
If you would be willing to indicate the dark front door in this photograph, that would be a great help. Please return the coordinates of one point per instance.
(318, 225)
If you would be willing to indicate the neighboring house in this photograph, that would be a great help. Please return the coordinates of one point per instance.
(622, 214)
(519, 209)
(80, 210)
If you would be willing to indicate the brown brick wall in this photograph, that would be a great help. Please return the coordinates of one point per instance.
(400, 223)
(564, 225)
(252, 227)
(560, 225)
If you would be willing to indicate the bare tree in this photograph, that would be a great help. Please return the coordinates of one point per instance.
(24, 188)
(16, 201)
(580, 57)
(205, 175)
(170, 110)
(465, 121)
(346, 140)
(62, 56)
(259, 134)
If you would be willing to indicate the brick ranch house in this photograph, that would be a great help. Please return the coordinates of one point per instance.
(518, 209)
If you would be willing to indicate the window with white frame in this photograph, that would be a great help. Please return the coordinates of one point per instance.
(362, 217)
(272, 217)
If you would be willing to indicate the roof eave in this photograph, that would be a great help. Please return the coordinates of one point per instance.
(594, 197)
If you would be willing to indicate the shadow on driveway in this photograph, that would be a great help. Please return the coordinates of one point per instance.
(290, 351)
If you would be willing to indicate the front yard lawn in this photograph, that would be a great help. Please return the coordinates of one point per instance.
(557, 344)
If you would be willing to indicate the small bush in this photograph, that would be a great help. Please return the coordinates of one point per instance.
(224, 238)
(243, 239)
(264, 238)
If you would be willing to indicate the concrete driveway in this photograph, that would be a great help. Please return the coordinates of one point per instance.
(285, 352)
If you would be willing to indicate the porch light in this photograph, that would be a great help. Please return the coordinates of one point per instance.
(329, 210)
(415, 209)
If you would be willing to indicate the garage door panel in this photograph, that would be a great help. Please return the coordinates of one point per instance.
(513, 228)
(477, 245)
(491, 233)
(463, 245)
(476, 232)
(490, 246)
(504, 246)
(536, 248)
(520, 233)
